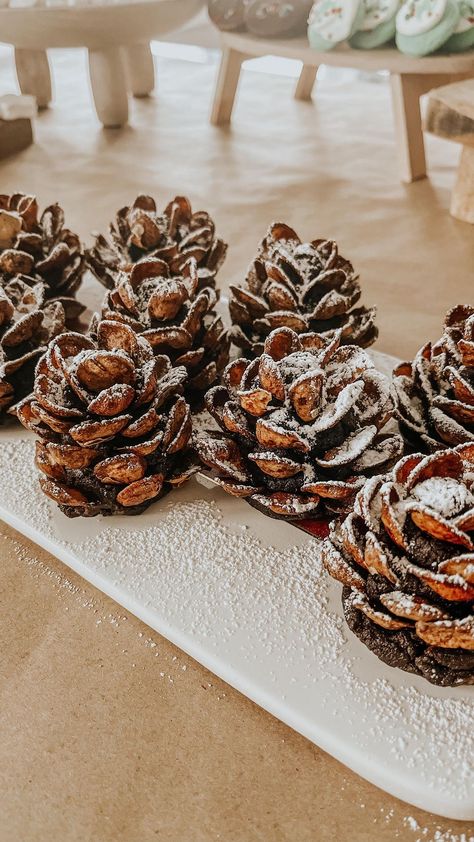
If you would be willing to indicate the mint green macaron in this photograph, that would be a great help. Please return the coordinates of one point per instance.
(332, 22)
(423, 26)
(462, 38)
(378, 25)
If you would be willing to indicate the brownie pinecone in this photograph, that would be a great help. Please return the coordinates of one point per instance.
(173, 236)
(27, 323)
(435, 392)
(265, 18)
(406, 559)
(227, 15)
(175, 316)
(301, 426)
(303, 286)
(277, 18)
(41, 249)
(112, 425)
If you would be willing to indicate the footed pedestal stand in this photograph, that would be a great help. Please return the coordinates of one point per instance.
(410, 79)
(117, 38)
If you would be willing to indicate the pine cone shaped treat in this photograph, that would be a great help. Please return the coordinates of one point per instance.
(436, 391)
(41, 249)
(112, 426)
(302, 426)
(277, 18)
(303, 286)
(175, 317)
(27, 323)
(227, 15)
(405, 557)
(173, 236)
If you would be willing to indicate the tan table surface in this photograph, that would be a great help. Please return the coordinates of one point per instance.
(108, 732)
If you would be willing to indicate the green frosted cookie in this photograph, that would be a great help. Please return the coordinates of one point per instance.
(423, 26)
(462, 38)
(378, 25)
(333, 21)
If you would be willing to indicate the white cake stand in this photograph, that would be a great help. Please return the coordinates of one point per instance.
(117, 38)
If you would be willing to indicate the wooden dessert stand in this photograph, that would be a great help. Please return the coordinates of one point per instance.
(117, 37)
(450, 114)
(410, 79)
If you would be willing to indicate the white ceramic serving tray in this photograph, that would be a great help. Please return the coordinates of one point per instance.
(247, 597)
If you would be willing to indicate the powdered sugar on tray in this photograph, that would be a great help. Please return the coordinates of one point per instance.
(250, 597)
(426, 834)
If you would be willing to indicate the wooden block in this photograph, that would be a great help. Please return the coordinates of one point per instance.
(15, 135)
(450, 112)
(457, 97)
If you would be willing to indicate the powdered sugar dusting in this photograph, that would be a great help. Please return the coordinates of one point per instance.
(252, 598)
(297, 365)
(445, 495)
(438, 834)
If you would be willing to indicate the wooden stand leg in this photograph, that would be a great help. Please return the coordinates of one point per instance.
(305, 83)
(140, 69)
(34, 78)
(109, 87)
(406, 92)
(462, 200)
(226, 86)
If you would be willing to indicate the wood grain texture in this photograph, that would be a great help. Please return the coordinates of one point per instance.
(450, 112)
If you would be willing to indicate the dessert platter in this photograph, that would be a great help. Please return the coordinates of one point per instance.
(166, 450)
(418, 27)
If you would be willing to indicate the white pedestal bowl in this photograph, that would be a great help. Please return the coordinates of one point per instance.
(117, 37)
